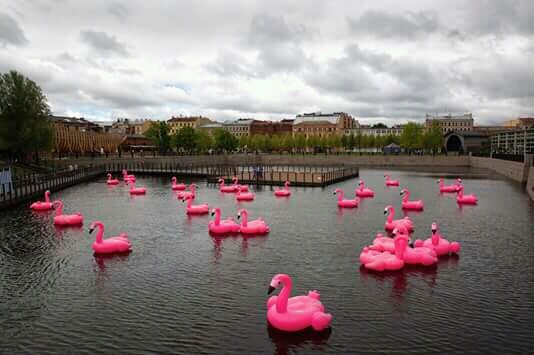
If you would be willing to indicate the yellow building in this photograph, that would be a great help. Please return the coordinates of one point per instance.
(319, 124)
(177, 123)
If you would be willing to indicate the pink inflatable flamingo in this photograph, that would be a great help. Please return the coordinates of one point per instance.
(392, 224)
(418, 255)
(61, 219)
(381, 243)
(112, 181)
(380, 261)
(175, 186)
(440, 245)
(363, 191)
(195, 209)
(466, 199)
(222, 227)
(244, 196)
(45, 205)
(113, 245)
(257, 226)
(192, 192)
(243, 188)
(136, 190)
(295, 313)
(345, 203)
(285, 192)
(410, 205)
(226, 188)
(390, 182)
(126, 177)
(448, 188)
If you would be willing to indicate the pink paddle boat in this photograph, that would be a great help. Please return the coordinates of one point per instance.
(113, 245)
(192, 192)
(226, 188)
(244, 196)
(363, 191)
(136, 190)
(45, 205)
(285, 192)
(390, 182)
(466, 199)
(391, 224)
(126, 177)
(293, 314)
(415, 256)
(175, 186)
(243, 188)
(410, 205)
(448, 188)
(218, 226)
(195, 209)
(345, 203)
(440, 245)
(384, 260)
(61, 219)
(112, 181)
(257, 226)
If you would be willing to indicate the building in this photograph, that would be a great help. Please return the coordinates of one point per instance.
(238, 128)
(78, 136)
(270, 128)
(141, 126)
(451, 123)
(319, 124)
(377, 132)
(121, 126)
(517, 142)
(520, 122)
(136, 143)
(466, 142)
(177, 123)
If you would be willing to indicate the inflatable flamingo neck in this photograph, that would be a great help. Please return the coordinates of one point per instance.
(217, 220)
(283, 297)
(132, 185)
(340, 194)
(400, 246)
(192, 188)
(461, 191)
(244, 217)
(441, 183)
(173, 179)
(47, 196)
(234, 179)
(59, 208)
(435, 238)
(286, 185)
(99, 232)
(406, 196)
(387, 177)
(189, 202)
(221, 182)
(391, 214)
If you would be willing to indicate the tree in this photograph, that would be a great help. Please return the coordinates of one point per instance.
(410, 138)
(204, 141)
(24, 117)
(244, 142)
(288, 142)
(345, 141)
(300, 142)
(351, 141)
(186, 139)
(158, 133)
(379, 125)
(433, 138)
(225, 141)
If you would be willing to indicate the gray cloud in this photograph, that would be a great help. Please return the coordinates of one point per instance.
(11, 32)
(387, 25)
(119, 10)
(266, 30)
(501, 17)
(104, 43)
(228, 64)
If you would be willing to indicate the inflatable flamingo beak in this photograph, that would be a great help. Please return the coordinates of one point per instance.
(212, 213)
(271, 290)
(238, 217)
(91, 230)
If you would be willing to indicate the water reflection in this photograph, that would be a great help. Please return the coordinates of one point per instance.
(103, 260)
(286, 343)
(218, 241)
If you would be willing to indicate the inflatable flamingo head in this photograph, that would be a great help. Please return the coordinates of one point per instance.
(93, 226)
(109, 176)
(387, 209)
(276, 281)
(434, 228)
(173, 179)
(337, 191)
(234, 178)
(404, 191)
(360, 182)
(221, 180)
(214, 210)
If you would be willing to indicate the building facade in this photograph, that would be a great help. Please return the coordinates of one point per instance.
(177, 123)
(270, 128)
(210, 128)
(141, 126)
(377, 132)
(451, 123)
(319, 124)
(520, 122)
(518, 141)
(239, 127)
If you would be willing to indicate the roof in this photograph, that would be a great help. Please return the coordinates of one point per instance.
(314, 122)
(185, 119)
(73, 120)
(211, 125)
(392, 145)
(240, 122)
(468, 134)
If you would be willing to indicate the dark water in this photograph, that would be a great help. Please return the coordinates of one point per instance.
(182, 291)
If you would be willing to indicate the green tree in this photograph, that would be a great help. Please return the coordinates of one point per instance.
(358, 140)
(300, 142)
(345, 141)
(276, 143)
(25, 127)
(379, 125)
(204, 141)
(410, 138)
(434, 137)
(351, 141)
(186, 139)
(225, 141)
(244, 142)
(158, 133)
(364, 141)
(288, 142)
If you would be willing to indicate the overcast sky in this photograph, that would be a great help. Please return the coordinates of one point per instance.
(275, 59)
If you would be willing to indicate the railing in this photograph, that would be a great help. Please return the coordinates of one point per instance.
(27, 187)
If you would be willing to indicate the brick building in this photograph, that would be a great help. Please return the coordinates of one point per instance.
(319, 124)
(270, 128)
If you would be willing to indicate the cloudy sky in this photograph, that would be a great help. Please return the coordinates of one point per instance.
(275, 59)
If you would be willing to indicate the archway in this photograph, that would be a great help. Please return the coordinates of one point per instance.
(454, 144)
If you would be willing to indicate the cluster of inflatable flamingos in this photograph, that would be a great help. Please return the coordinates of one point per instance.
(284, 312)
